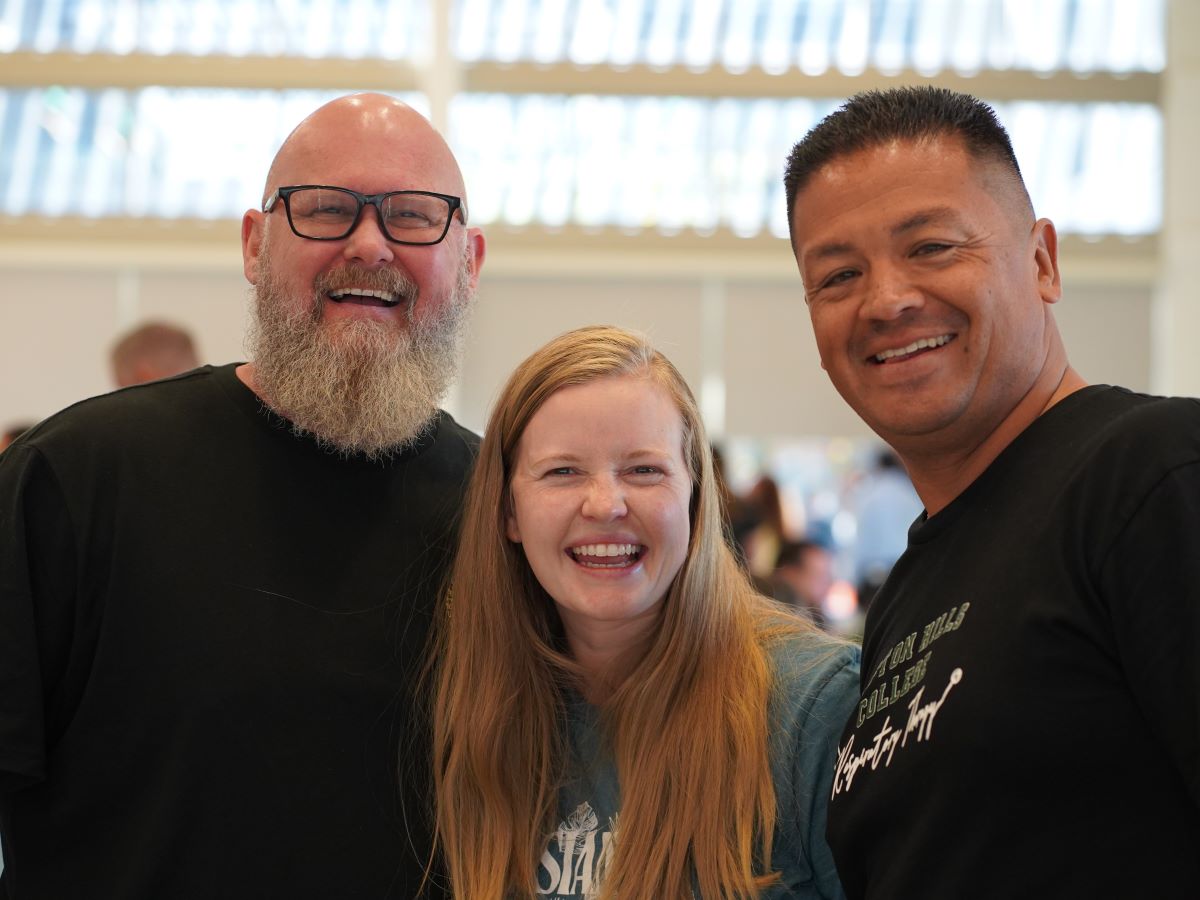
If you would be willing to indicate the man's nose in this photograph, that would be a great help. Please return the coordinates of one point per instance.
(890, 293)
(367, 244)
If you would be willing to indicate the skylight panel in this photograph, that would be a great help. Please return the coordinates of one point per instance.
(817, 44)
(1124, 37)
(853, 43)
(509, 38)
(738, 42)
(891, 39)
(103, 153)
(966, 51)
(64, 126)
(661, 164)
(549, 29)
(469, 34)
(22, 155)
(591, 37)
(347, 29)
(627, 32)
(700, 45)
(777, 46)
(810, 36)
(662, 48)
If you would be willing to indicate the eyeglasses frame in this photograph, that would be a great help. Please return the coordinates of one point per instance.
(284, 193)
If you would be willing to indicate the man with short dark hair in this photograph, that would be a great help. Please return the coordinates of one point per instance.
(1030, 717)
(151, 351)
(215, 589)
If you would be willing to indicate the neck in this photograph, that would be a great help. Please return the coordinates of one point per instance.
(608, 651)
(245, 374)
(940, 473)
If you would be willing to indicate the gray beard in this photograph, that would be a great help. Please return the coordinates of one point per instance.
(357, 386)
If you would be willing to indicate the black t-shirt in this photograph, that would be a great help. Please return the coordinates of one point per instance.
(1030, 720)
(210, 630)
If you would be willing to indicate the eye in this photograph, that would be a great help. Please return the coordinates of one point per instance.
(645, 473)
(560, 471)
(841, 276)
(332, 210)
(929, 248)
(410, 218)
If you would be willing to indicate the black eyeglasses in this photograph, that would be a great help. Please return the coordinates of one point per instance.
(322, 213)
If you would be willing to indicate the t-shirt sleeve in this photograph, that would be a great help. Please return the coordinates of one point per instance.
(36, 608)
(833, 693)
(1150, 579)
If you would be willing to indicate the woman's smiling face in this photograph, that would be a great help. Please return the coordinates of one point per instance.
(600, 495)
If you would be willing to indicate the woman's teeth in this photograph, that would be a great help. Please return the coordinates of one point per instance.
(607, 555)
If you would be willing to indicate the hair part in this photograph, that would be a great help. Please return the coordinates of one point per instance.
(913, 114)
(503, 676)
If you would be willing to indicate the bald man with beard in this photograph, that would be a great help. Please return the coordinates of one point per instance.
(215, 589)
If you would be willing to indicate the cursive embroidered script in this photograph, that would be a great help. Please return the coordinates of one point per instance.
(887, 739)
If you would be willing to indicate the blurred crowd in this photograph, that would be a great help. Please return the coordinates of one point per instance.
(804, 561)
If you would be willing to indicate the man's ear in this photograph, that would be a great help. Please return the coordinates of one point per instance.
(1045, 256)
(476, 251)
(253, 233)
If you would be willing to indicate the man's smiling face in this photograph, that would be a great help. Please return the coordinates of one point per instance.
(370, 146)
(355, 340)
(927, 281)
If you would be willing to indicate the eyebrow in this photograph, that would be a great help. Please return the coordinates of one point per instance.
(640, 453)
(554, 458)
(925, 217)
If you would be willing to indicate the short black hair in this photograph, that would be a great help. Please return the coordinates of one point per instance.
(911, 113)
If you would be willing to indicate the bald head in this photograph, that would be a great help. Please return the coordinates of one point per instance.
(345, 134)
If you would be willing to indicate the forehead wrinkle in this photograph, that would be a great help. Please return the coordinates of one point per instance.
(937, 215)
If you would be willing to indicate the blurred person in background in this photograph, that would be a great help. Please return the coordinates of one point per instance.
(152, 351)
(803, 576)
(759, 528)
(885, 505)
(215, 589)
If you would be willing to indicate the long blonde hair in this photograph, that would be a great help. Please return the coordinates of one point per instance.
(688, 727)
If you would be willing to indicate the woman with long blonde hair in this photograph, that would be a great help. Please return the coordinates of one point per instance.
(618, 714)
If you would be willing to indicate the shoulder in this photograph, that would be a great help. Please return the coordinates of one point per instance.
(97, 439)
(1105, 417)
(139, 406)
(452, 448)
(1082, 443)
(455, 435)
(1142, 437)
(816, 680)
